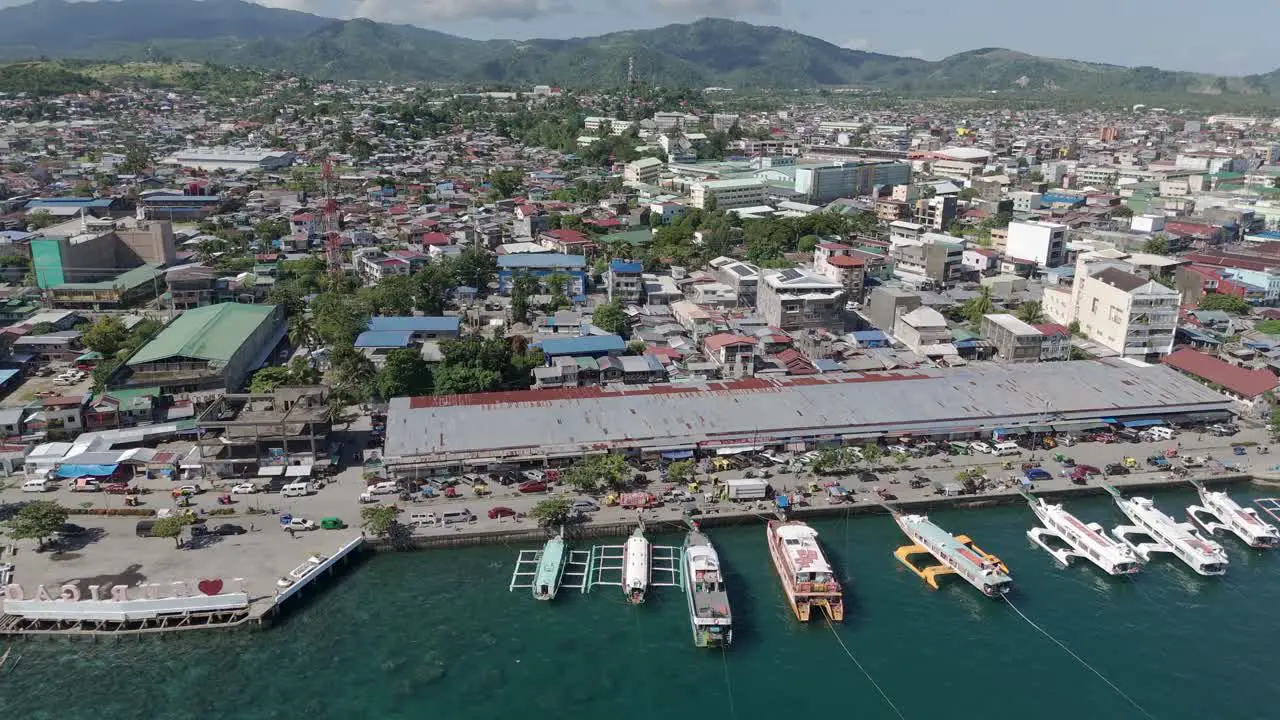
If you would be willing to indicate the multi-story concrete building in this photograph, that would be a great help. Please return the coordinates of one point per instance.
(625, 281)
(795, 300)
(644, 170)
(728, 194)
(924, 330)
(837, 262)
(886, 304)
(1045, 243)
(740, 275)
(935, 213)
(542, 266)
(1127, 313)
(933, 259)
(1025, 201)
(1014, 340)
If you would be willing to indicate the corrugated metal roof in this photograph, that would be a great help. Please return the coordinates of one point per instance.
(570, 420)
(213, 332)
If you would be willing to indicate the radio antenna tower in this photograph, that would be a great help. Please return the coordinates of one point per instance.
(631, 77)
(329, 227)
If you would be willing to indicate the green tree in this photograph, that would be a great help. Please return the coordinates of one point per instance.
(302, 372)
(137, 160)
(272, 229)
(1030, 312)
(268, 379)
(405, 373)
(103, 371)
(1225, 303)
(393, 295)
(808, 243)
(610, 318)
(680, 472)
(43, 328)
(302, 332)
(1157, 245)
(637, 347)
(557, 285)
(462, 380)
(37, 520)
(171, 527)
(552, 511)
(351, 370)
(978, 306)
(1121, 212)
(1074, 328)
(338, 318)
(523, 286)
(377, 520)
(591, 473)
(436, 281)
(872, 452)
(107, 335)
(40, 219)
(505, 183)
(476, 268)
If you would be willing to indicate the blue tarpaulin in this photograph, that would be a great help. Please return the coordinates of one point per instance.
(73, 471)
(1145, 422)
(677, 454)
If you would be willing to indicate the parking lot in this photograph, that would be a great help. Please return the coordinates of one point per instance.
(35, 387)
(111, 548)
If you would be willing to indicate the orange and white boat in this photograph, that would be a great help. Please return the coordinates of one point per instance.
(807, 577)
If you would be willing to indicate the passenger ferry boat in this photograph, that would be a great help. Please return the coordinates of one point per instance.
(546, 581)
(807, 577)
(1206, 557)
(1243, 522)
(709, 615)
(1086, 541)
(635, 566)
(958, 555)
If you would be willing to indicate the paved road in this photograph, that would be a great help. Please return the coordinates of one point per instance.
(270, 552)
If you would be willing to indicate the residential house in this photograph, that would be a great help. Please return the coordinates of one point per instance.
(925, 332)
(625, 282)
(1014, 340)
(733, 354)
(1056, 343)
(64, 346)
(570, 242)
(837, 262)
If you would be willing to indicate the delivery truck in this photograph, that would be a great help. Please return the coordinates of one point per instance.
(746, 489)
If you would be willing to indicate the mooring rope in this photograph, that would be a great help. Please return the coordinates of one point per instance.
(1079, 659)
(724, 657)
(870, 679)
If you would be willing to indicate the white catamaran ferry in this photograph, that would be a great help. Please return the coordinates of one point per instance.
(709, 615)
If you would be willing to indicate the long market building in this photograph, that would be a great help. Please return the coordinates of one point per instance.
(795, 413)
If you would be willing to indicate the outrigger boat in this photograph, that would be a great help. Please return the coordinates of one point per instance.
(546, 582)
(1223, 513)
(1086, 541)
(709, 615)
(807, 577)
(1204, 556)
(635, 566)
(958, 555)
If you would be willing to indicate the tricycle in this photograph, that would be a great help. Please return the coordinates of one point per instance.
(225, 499)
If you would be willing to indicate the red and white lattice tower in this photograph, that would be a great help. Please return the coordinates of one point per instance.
(329, 226)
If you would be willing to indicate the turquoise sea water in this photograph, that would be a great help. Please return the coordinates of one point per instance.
(437, 635)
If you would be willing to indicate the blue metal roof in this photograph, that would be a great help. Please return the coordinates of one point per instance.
(69, 202)
(541, 261)
(625, 266)
(413, 324)
(389, 338)
(869, 335)
(583, 345)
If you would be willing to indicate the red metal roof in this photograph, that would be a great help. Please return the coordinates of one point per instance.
(1241, 381)
(1052, 329)
(845, 261)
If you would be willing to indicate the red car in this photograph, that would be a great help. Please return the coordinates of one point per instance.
(501, 512)
(117, 488)
(1088, 470)
(532, 486)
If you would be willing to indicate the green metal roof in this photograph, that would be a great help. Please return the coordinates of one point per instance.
(213, 333)
(126, 280)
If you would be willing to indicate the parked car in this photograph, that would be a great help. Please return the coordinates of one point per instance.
(532, 486)
(117, 488)
(1116, 469)
(229, 529)
(1036, 474)
(298, 523)
(584, 505)
(187, 490)
(1088, 470)
(501, 512)
(244, 488)
(979, 446)
(534, 475)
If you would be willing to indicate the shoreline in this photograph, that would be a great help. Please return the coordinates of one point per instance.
(741, 517)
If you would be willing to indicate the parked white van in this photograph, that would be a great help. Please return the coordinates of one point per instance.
(457, 516)
(39, 486)
(1007, 448)
(386, 487)
(298, 489)
(422, 518)
(979, 446)
(1160, 432)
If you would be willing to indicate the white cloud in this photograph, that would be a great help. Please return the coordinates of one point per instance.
(422, 12)
(719, 8)
(857, 44)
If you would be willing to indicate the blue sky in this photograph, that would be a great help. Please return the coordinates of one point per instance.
(1223, 36)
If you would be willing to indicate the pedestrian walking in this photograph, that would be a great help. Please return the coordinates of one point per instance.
(291, 533)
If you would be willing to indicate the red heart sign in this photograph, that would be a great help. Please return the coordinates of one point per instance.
(210, 587)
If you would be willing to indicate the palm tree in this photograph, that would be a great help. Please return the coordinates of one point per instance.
(1031, 313)
(302, 332)
(979, 306)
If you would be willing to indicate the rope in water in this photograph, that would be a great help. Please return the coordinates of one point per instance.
(870, 679)
(1079, 659)
(724, 656)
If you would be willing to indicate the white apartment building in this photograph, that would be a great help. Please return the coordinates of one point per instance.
(1046, 243)
(728, 194)
(795, 299)
(644, 170)
(1025, 201)
(1131, 315)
